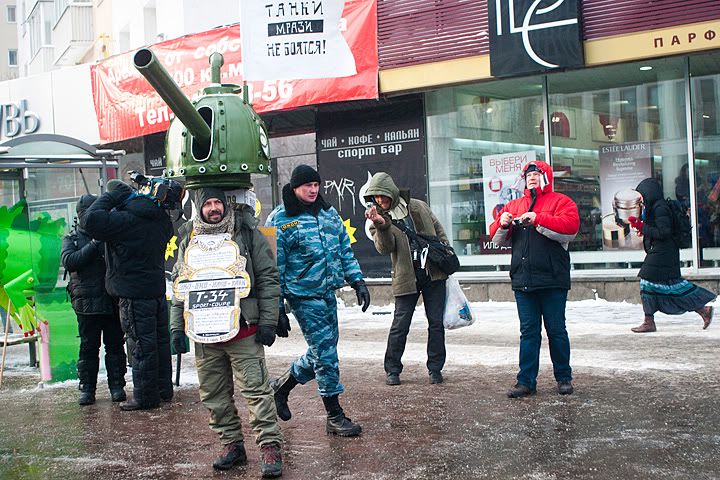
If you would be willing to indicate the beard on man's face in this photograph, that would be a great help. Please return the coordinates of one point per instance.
(214, 216)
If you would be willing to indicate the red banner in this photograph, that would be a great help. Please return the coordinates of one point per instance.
(127, 106)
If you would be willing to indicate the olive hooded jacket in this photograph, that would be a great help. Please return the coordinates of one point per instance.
(390, 240)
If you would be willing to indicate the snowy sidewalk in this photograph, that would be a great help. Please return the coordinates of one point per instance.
(645, 406)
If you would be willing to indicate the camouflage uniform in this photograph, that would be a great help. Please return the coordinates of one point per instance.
(315, 259)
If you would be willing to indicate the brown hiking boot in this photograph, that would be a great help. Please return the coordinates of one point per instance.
(270, 460)
(647, 326)
(706, 313)
(233, 454)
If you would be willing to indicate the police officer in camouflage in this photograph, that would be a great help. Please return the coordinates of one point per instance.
(314, 259)
(243, 356)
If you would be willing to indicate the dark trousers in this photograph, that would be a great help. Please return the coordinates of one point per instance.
(535, 308)
(145, 323)
(93, 328)
(433, 294)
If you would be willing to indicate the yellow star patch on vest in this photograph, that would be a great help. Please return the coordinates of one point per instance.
(350, 231)
(171, 247)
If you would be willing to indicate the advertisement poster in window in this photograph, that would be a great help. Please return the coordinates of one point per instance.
(502, 182)
(622, 167)
(352, 146)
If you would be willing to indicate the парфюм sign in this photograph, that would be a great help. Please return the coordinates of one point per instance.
(531, 36)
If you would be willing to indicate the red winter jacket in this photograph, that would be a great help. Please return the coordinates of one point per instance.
(539, 252)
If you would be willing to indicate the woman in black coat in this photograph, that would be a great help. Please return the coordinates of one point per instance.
(662, 289)
(96, 311)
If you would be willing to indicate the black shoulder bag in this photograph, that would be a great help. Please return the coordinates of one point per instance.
(441, 255)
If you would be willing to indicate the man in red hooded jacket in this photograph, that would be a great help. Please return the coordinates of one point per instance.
(539, 226)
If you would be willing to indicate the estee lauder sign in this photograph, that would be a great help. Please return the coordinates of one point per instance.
(529, 36)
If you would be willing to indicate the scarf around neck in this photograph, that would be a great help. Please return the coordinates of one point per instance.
(226, 225)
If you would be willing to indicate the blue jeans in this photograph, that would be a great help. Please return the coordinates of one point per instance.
(534, 308)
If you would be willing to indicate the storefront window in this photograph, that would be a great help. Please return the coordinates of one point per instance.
(705, 93)
(479, 136)
(611, 127)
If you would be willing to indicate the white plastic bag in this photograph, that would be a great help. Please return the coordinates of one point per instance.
(457, 309)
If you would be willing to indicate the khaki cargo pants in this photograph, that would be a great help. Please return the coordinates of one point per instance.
(244, 360)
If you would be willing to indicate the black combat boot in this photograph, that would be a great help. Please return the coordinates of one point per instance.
(282, 386)
(115, 364)
(87, 394)
(87, 369)
(337, 422)
(233, 454)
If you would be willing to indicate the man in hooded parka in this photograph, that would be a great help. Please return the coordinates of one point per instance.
(539, 226)
(136, 230)
(96, 311)
(411, 278)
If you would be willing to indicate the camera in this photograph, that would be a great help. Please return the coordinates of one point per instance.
(517, 222)
(165, 192)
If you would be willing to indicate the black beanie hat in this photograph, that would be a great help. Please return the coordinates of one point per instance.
(201, 195)
(531, 168)
(303, 174)
(84, 202)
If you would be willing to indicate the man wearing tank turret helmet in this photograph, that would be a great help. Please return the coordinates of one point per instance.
(237, 358)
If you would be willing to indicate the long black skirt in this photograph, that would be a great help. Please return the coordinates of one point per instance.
(673, 297)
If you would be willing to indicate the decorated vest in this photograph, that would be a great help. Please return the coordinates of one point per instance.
(211, 280)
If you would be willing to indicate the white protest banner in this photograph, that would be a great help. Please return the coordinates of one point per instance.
(294, 40)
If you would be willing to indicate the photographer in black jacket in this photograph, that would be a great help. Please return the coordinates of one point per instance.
(136, 229)
(96, 311)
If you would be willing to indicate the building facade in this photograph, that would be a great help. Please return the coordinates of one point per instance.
(8, 40)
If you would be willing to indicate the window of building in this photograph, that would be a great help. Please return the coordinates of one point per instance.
(479, 137)
(624, 123)
(11, 14)
(705, 94)
(60, 6)
(12, 58)
(35, 32)
(608, 129)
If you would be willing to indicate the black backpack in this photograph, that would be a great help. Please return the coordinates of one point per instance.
(681, 226)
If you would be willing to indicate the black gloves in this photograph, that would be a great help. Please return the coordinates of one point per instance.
(179, 341)
(265, 334)
(363, 295)
(283, 325)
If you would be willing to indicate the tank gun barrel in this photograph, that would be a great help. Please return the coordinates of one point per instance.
(149, 67)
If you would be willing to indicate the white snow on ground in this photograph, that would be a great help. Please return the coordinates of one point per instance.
(599, 331)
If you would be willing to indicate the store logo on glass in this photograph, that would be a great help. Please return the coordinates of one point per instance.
(532, 36)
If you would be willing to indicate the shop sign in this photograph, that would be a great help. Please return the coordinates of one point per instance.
(127, 106)
(698, 39)
(16, 119)
(527, 36)
(354, 145)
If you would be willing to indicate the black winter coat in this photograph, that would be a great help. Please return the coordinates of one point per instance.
(83, 260)
(136, 232)
(662, 259)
